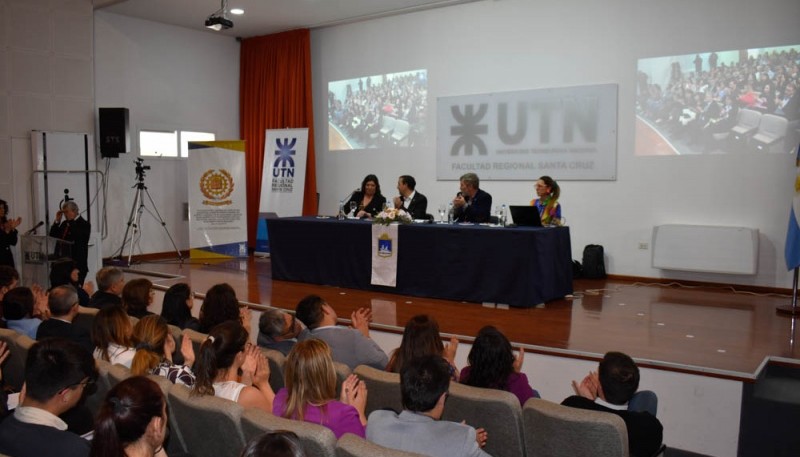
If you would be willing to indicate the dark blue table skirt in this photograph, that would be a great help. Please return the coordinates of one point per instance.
(520, 267)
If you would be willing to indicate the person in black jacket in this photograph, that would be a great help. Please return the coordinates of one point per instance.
(368, 201)
(611, 390)
(75, 230)
(413, 202)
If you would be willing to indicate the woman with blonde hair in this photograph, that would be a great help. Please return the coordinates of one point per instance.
(222, 355)
(154, 348)
(112, 335)
(310, 392)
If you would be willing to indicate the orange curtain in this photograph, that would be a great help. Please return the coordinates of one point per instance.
(275, 93)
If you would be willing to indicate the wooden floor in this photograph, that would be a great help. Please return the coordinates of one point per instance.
(710, 331)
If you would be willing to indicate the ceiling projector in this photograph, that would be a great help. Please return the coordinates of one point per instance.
(218, 23)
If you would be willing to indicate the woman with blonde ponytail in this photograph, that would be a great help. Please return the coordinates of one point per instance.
(154, 348)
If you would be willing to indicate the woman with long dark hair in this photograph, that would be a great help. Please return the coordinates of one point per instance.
(132, 421)
(222, 356)
(137, 296)
(368, 201)
(177, 307)
(219, 305)
(420, 338)
(492, 365)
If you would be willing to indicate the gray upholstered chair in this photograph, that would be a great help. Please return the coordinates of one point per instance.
(277, 362)
(770, 134)
(497, 411)
(175, 444)
(85, 318)
(197, 339)
(342, 372)
(209, 426)
(118, 373)
(746, 125)
(102, 386)
(350, 445)
(14, 366)
(317, 440)
(383, 389)
(553, 430)
(177, 335)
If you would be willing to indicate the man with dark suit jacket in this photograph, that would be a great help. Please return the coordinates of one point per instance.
(409, 199)
(471, 204)
(63, 304)
(76, 230)
(110, 282)
(610, 390)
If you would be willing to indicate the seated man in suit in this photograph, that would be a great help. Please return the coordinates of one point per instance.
(350, 346)
(57, 371)
(63, 304)
(424, 383)
(279, 330)
(471, 204)
(110, 282)
(409, 199)
(610, 390)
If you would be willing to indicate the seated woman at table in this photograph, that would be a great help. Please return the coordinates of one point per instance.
(492, 365)
(546, 201)
(369, 201)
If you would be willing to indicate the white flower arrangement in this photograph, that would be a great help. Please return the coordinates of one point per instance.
(392, 215)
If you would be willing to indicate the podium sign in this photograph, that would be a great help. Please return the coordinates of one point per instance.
(37, 258)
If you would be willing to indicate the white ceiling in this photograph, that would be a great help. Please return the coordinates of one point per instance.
(263, 17)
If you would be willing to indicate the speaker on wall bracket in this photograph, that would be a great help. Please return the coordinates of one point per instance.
(114, 129)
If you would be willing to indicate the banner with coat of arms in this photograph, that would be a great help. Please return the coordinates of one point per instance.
(384, 255)
(217, 200)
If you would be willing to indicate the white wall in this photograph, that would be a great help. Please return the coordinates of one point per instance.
(518, 44)
(169, 78)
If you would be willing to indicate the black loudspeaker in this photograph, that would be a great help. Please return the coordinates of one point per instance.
(115, 138)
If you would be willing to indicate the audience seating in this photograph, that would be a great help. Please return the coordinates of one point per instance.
(342, 372)
(14, 366)
(102, 386)
(553, 430)
(770, 134)
(85, 318)
(197, 339)
(383, 389)
(351, 445)
(209, 426)
(118, 373)
(400, 134)
(746, 125)
(177, 335)
(175, 444)
(317, 440)
(496, 411)
(387, 127)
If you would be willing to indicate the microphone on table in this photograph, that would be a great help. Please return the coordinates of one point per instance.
(41, 223)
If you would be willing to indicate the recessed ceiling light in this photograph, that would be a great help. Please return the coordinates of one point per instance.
(237, 11)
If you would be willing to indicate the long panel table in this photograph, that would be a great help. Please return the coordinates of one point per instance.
(520, 266)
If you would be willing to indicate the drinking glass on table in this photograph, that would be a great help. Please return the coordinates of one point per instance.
(442, 212)
(353, 206)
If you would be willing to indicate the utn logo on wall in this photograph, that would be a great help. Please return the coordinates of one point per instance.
(283, 167)
(567, 132)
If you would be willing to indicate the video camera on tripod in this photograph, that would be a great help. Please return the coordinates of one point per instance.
(140, 169)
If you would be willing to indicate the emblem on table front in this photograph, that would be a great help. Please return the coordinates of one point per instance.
(385, 245)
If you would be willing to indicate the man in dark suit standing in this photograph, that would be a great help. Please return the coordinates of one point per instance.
(412, 201)
(63, 304)
(76, 230)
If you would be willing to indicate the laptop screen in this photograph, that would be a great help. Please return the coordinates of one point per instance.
(525, 216)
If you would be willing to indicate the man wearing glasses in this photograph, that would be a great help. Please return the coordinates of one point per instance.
(57, 371)
(279, 330)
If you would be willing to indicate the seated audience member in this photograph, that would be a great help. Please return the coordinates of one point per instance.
(369, 200)
(220, 305)
(310, 392)
(611, 391)
(154, 348)
(132, 421)
(63, 304)
(8, 279)
(137, 295)
(413, 202)
(110, 282)
(222, 355)
(350, 346)
(279, 330)
(177, 307)
(424, 384)
(471, 204)
(57, 371)
(421, 337)
(4, 353)
(65, 272)
(18, 311)
(274, 444)
(492, 365)
(546, 201)
(112, 335)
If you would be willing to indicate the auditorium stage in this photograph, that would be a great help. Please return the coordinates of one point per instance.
(700, 330)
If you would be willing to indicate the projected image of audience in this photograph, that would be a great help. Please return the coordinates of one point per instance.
(378, 111)
(741, 101)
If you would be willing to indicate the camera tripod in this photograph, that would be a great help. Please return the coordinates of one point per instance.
(135, 217)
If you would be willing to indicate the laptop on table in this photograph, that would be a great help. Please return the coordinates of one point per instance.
(525, 216)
